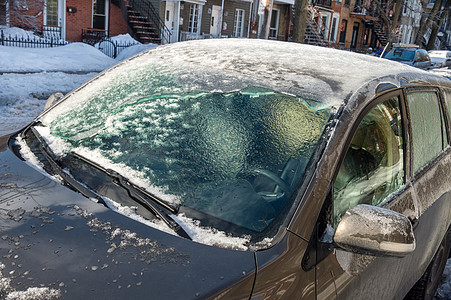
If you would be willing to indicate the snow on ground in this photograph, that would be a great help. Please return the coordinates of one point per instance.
(28, 76)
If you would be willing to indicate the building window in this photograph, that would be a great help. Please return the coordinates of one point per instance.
(334, 30)
(274, 26)
(51, 13)
(238, 26)
(99, 14)
(344, 25)
(193, 17)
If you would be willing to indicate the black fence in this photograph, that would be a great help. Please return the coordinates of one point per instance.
(113, 48)
(30, 42)
(107, 46)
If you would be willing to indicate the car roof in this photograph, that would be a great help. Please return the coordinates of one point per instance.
(326, 75)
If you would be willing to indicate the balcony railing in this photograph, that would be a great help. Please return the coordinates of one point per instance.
(323, 3)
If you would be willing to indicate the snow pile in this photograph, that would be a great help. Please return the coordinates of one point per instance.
(18, 32)
(75, 57)
(132, 50)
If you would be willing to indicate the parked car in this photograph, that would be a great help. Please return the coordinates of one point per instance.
(440, 58)
(233, 169)
(410, 55)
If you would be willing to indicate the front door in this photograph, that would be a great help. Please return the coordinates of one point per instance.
(355, 34)
(54, 19)
(169, 20)
(215, 28)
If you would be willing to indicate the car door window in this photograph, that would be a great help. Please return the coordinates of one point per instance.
(427, 128)
(373, 166)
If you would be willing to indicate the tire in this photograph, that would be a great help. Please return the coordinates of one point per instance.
(426, 287)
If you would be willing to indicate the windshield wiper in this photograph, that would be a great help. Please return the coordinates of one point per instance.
(69, 180)
(152, 203)
(157, 207)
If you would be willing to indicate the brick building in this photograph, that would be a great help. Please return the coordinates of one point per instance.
(67, 17)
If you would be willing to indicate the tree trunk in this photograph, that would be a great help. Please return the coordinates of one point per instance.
(422, 28)
(436, 24)
(300, 21)
(428, 22)
(264, 33)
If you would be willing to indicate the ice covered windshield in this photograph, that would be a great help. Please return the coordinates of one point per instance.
(233, 154)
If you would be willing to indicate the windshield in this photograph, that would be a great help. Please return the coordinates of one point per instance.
(401, 54)
(234, 155)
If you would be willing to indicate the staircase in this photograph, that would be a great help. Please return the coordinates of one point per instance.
(143, 29)
(380, 33)
(144, 21)
(312, 34)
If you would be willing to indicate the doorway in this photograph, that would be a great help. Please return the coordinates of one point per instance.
(215, 28)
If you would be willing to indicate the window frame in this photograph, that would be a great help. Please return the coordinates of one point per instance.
(405, 133)
(443, 119)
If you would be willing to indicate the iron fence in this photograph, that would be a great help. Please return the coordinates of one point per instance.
(30, 42)
(113, 48)
(107, 46)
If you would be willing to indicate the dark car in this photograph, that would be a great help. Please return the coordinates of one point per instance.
(410, 55)
(233, 169)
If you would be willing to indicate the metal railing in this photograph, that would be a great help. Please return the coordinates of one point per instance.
(107, 46)
(30, 42)
(146, 9)
(52, 32)
(113, 48)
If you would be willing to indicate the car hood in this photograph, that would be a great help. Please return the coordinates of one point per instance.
(54, 241)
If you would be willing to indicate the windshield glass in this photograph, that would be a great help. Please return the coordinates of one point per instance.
(401, 54)
(193, 140)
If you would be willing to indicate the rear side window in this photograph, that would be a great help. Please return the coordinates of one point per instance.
(373, 167)
(448, 101)
(427, 127)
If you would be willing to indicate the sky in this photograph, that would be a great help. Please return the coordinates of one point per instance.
(29, 76)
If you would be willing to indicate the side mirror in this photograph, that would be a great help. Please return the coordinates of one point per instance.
(54, 98)
(373, 230)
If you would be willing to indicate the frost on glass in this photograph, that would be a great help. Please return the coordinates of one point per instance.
(236, 156)
(373, 167)
(426, 127)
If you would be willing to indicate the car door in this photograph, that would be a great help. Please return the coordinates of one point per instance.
(373, 170)
(431, 165)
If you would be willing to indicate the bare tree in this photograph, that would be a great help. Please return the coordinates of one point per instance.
(390, 16)
(27, 13)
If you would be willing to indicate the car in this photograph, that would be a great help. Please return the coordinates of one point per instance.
(440, 58)
(232, 169)
(410, 55)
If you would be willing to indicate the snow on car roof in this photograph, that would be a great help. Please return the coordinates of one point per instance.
(326, 75)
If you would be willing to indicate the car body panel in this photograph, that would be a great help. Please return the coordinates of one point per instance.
(280, 273)
(54, 237)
